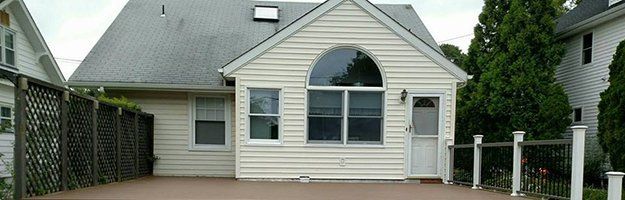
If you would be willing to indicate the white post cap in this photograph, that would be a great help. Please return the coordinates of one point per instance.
(519, 132)
(579, 127)
(478, 136)
(615, 173)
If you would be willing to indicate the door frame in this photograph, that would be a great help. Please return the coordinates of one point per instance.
(442, 97)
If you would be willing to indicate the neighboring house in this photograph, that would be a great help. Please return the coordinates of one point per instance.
(258, 89)
(591, 32)
(23, 51)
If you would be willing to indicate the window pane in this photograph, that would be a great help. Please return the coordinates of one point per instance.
(327, 103)
(209, 132)
(264, 127)
(587, 57)
(346, 67)
(365, 104)
(324, 128)
(587, 41)
(8, 40)
(10, 55)
(5, 112)
(577, 115)
(365, 129)
(264, 101)
(201, 114)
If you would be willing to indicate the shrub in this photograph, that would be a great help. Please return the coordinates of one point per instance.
(122, 101)
(611, 116)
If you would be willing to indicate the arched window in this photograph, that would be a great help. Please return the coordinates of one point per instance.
(345, 99)
(346, 67)
(424, 103)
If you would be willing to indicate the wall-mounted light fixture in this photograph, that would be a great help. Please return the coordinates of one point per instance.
(404, 94)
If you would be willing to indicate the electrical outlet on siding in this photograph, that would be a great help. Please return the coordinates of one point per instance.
(342, 161)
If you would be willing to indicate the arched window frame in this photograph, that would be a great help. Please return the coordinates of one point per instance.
(345, 97)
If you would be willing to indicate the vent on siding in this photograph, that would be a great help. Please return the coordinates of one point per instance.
(4, 19)
(266, 13)
(612, 2)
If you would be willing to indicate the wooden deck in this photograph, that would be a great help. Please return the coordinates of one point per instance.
(230, 189)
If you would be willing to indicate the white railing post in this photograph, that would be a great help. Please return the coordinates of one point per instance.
(615, 185)
(516, 163)
(577, 164)
(477, 161)
(450, 160)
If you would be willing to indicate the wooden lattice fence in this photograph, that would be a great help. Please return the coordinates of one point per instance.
(66, 141)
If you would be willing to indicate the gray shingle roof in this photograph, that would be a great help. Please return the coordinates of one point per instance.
(196, 38)
(585, 10)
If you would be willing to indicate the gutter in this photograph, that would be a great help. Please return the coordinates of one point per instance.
(153, 86)
(600, 18)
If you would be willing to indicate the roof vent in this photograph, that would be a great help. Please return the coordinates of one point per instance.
(163, 11)
(612, 2)
(266, 13)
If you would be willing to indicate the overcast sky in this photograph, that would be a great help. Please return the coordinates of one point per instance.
(72, 27)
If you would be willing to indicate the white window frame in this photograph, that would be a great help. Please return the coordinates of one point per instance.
(248, 134)
(581, 121)
(346, 89)
(227, 119)
(591, 48)
(3, 48)
(10, 130)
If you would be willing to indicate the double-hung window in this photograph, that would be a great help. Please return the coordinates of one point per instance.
(345, 99)
(210, 124)
(587, 48)
(6, 119)
(264, 115)
(7, 44)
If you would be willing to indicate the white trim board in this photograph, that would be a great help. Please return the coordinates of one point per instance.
(308, 18)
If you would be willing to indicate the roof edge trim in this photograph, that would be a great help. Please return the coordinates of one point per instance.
(426, 49)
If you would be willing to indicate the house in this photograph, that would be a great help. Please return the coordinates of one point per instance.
(24, 51)
(277, 90)
(591, 33)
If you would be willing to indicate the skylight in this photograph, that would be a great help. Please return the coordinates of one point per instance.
(266, 13)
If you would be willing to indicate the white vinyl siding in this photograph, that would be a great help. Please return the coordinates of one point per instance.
(6, 138)
(286, 66)
(171, 136)
(27, 63)
(26, 58)
(584, 84)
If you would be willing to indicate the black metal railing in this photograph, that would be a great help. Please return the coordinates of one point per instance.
(496, 166)
(546, 168)
(462, 163)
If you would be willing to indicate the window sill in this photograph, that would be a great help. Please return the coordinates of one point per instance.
(360, 146)
(209, 149)
(263, 143)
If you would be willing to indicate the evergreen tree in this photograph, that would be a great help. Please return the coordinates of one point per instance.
(611, 116)
(513, 60)
(454, 54)
(469, 114)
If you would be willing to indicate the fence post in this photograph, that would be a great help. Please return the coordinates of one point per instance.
(577, 171)
(64, 140)
(19, 154)
(450, 161)
(477, 161)
(94, 128)
(615, 185)
(118, 132)
(516, 163)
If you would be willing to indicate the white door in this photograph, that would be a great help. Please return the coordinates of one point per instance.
(424, 136)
